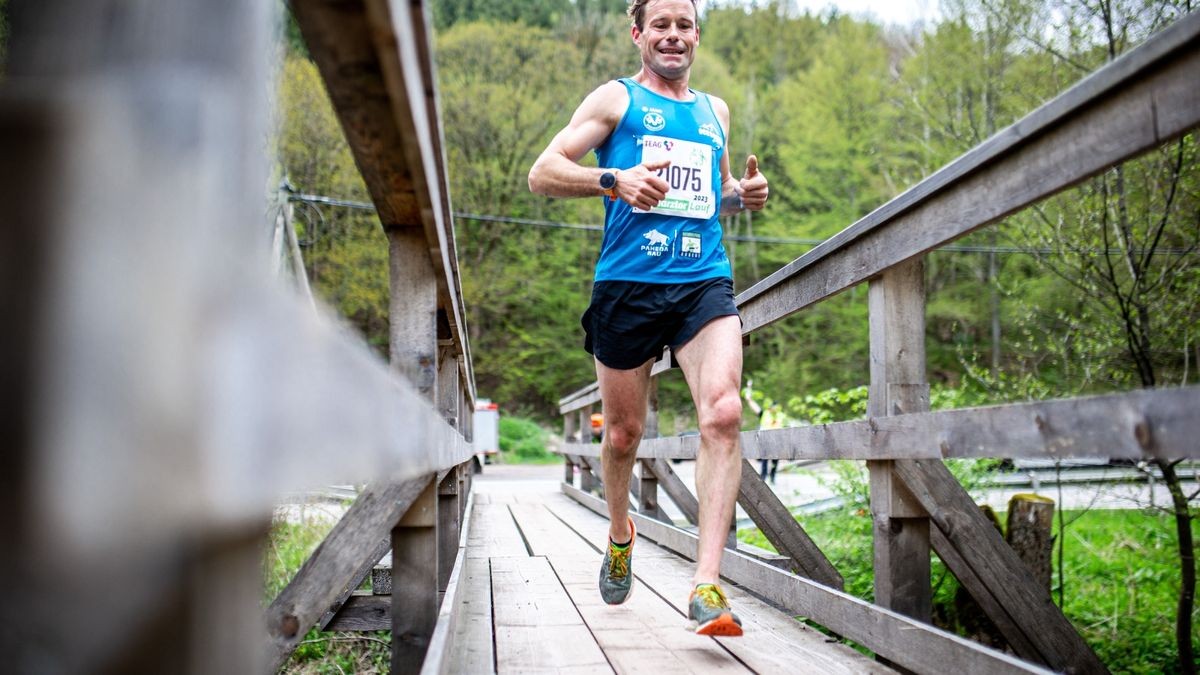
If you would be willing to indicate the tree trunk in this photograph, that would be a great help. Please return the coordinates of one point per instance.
(1187, 568)
(1030, 527)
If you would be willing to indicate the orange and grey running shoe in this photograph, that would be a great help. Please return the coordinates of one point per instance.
(616, 572)
(709, 612)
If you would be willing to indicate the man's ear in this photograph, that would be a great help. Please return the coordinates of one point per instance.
(636, 34)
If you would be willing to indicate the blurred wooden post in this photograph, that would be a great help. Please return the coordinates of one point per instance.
(414, 354)
(587, 480)
(415, 581)
(569, 425)
(450, 491)
(898, 385)
(132, 173)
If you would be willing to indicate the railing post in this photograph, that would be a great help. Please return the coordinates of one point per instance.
(413, 344)
(587, 482)
(898, 385)
(450, 493)
(569, 424)
(414, 355)
(415, 581)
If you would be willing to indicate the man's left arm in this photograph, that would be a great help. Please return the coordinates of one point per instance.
(749, 193)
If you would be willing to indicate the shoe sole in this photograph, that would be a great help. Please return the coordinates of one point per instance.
(722, 626)
(623, 600)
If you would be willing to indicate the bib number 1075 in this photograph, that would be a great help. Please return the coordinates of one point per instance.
(689, 175)
(682, 177)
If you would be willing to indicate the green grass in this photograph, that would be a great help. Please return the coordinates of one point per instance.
(1120, 579)
(289, 545)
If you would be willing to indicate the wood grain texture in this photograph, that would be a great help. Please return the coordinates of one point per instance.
(904, 641)
(363, 611)
(377, 68)
(676, 489)
(472, 650)
(537, 625)
(774, 642)
(993, 562)
(338, 565)
(1075, 428)
(783, 531)
(414, 596)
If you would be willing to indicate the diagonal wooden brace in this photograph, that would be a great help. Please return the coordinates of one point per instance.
(993, 572)
(783, 531)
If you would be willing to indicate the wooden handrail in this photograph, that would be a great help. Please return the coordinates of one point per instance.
(1139, 101)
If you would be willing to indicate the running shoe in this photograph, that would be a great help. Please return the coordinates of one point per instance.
(709, 612)
(616, 572)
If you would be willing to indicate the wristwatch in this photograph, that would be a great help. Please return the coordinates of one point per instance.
(608, 183)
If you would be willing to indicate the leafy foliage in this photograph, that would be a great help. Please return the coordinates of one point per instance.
(290, 543)
(523, 440)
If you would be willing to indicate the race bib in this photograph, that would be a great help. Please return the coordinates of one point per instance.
(690, 176)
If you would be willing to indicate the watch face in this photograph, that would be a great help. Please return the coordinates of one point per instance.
(607, 180)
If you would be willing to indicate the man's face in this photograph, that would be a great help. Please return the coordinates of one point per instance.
(669, 37)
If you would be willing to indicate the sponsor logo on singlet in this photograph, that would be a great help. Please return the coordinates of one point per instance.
(659, 243)
(654, 121)
(709, 129)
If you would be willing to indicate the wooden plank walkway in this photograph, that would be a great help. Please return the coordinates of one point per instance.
(531, 604)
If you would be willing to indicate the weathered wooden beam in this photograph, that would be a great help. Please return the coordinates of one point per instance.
(781, 529)
(900, 528)
(994, 564)
(377, 68)
(338, 565)
(415, 581)
(647, 493)
(448, 517)
(676, 489)
(1141, 100)
(363, 611)
(903, 641)
(1141, 424)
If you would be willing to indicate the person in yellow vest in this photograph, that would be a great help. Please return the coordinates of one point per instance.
(770, 416)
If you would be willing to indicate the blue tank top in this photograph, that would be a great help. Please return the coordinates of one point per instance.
(680, 240)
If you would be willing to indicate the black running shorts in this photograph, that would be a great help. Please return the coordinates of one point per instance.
(629, 322)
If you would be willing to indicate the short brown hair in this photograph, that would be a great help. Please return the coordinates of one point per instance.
(637, 11)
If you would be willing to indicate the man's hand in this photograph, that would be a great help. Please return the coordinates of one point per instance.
(753, 186)
(640, 187)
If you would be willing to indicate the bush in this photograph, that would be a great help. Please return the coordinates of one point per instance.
(522, 440)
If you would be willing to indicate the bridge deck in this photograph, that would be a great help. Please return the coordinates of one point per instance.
(530, 602)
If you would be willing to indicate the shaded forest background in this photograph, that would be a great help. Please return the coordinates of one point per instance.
(1090, 291)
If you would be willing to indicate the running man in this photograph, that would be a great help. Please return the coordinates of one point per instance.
(662, 278)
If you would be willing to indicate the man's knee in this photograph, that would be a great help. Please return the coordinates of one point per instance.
(723, 418)
(624, 437)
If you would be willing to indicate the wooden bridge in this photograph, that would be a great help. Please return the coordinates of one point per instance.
(166, 390)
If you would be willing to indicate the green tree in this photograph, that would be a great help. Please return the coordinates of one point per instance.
(3, 36)
(542, 13)
(345, 250)
(506, 90)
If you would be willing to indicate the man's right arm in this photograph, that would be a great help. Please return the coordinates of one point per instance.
(557, 172)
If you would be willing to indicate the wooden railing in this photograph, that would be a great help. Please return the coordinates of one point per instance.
(164, 391)
(1138, 102)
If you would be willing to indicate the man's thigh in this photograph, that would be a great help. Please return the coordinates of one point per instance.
(624, 393)
(712, 360)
